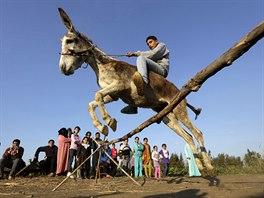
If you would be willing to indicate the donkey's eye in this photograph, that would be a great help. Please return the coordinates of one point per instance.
(69, 41)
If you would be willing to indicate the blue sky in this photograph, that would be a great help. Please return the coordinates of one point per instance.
(37, 100)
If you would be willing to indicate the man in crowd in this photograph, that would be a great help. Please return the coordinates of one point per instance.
(125, 152)
(12, 158)
(50, 160)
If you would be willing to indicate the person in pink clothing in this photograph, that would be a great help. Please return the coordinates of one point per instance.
(63, 152)
(75, 141)
(156, 158)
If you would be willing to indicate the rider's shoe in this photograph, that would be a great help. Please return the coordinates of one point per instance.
(139, 82)
(129, 110)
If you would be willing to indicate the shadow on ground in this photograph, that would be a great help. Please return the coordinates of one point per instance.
(213, 181)
(190, 193)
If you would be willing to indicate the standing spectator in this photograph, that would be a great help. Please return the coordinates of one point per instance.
(193, 169)
(89, 142)
(95, 155)
(156, 158)
(50, 160)
(75, 141)
(114, 156)
(12, 157)
(82, 154)
(125, 151)
(138, 150)
(69, 132)
(147, 162)
(105, 161)
(64, 142)
(165, 160)
(119, 154)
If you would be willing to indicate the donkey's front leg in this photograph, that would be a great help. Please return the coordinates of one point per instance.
(111, 122)
(97, 124)
(101, 97)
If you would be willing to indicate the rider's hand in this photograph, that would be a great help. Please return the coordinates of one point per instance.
(129, 54)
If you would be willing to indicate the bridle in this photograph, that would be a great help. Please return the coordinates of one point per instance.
(78, 53)
(85, 53)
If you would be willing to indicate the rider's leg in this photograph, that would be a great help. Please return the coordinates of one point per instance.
(144, 64)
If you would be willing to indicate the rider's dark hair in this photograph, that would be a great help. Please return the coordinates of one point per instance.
(151, 37)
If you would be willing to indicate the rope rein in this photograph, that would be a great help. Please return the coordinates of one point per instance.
(86, 53)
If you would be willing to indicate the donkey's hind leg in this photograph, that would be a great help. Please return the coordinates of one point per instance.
(171, 121)
(182, 116)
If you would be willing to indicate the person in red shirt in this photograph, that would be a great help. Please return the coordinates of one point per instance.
(114, 156)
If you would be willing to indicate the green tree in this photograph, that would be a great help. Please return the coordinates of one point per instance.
(252, 159)
(177, 165)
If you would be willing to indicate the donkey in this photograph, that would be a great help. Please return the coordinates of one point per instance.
(115, 79)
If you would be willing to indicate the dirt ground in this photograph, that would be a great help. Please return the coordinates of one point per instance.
(242, 186)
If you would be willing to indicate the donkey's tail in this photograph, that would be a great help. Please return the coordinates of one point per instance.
(196, 111)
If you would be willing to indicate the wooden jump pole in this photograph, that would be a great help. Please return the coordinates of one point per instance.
(76, 169)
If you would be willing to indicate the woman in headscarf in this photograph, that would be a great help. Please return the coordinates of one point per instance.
(63, 152)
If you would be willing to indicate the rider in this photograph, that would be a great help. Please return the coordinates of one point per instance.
(156, 60)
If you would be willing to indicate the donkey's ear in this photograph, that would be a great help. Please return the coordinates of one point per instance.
(66, 20)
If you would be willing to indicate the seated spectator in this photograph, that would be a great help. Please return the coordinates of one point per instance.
(83, 152)
(105, 161)
(50, 160)
(12, 158)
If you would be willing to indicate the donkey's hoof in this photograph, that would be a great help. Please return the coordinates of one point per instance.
(103, 130)
(212, 172)
(112, 124)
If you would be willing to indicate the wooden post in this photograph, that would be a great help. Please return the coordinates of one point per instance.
(98, 167)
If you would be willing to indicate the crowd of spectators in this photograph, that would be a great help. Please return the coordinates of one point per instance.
(73, 152)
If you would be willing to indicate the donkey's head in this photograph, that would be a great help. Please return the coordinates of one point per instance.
(75, 48)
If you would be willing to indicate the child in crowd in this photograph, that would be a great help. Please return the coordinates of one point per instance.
(82, 154)
(156, 157)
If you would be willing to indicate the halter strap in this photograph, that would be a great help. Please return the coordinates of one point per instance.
(80, 53)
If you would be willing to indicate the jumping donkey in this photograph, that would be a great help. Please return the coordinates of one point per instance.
(115, 79)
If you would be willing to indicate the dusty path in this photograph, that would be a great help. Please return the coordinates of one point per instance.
(240, 186)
